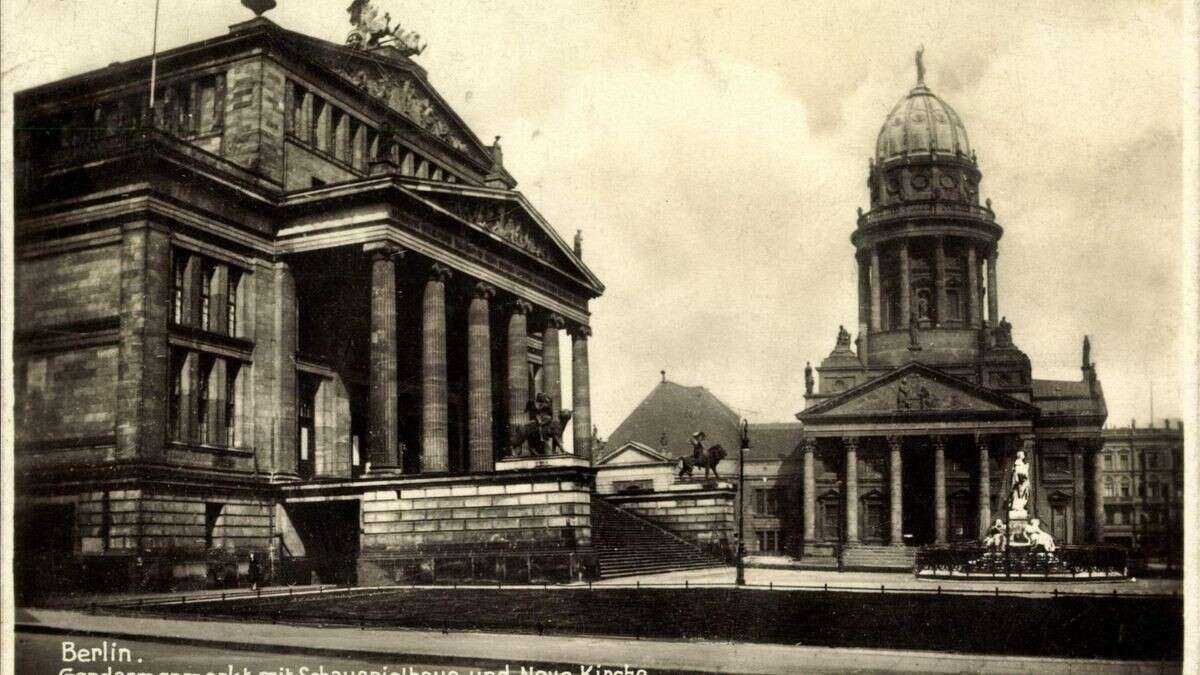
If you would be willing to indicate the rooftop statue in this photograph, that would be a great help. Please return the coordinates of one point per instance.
(371, 30)
(921, 66)
(843, 338)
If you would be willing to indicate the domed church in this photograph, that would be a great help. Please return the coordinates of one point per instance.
(911, 428)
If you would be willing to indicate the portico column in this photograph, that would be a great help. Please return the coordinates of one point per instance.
(851, 444)
(972, 286)
(479, 381)
(551, 363)
(383, 448)
(905, 287)
(518, 365)
(1078, 509)
(580, 392)
(983, 489)
(1097, 492)
(810, 490)
(435, 419)
(939, 489)
(876, 317)
(993, 290)
(895, 470)
(940, 280)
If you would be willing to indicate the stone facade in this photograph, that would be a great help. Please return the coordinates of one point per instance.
(910, 435)
(1142, 485)
(241, 321)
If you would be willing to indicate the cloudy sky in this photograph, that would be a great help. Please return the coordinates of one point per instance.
(714, 153)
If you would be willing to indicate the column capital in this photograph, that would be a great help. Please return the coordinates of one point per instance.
(581, 331)
(440, 273)
(938, 442)
(484, 290)
(894, 442)
(520, 306)
(383, 250)
(808, 444)
(851, 442)
(555, 321)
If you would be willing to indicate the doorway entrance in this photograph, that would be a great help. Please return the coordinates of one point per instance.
(917, 491)
(330, 534)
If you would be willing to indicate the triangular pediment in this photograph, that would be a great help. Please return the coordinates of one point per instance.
(507, 217)
(398, 82)
(633, 453)
(917, 390)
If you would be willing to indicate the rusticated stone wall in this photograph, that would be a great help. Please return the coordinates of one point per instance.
(494, 527)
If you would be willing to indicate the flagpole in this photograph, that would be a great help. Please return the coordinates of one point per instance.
(154, 57)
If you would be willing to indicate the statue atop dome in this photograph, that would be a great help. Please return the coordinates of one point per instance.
(921, 66)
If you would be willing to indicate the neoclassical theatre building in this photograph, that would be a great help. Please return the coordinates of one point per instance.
(910, 432)
(294, 308)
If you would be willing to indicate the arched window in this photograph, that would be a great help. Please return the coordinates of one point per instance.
(1109, 490)
(1125, 487)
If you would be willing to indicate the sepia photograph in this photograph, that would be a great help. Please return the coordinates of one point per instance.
(598, 337)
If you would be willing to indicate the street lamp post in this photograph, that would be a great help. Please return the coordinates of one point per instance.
(741, 539)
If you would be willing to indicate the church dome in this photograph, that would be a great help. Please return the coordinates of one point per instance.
(921, 122)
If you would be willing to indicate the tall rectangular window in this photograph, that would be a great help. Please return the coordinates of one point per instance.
(203, 407)
(766, 502)
(231, 308)
(1108, 462)
(178, 270)
(206, 275)
(232, 371)
(175, 400)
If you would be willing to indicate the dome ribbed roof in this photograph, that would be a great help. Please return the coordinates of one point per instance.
(920, 122)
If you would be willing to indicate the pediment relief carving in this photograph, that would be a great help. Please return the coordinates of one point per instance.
(507, 221)
(914, 393)
(402, 93)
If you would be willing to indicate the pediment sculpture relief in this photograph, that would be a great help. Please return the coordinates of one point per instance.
(402, 95)
(913, 393)
(507, 221)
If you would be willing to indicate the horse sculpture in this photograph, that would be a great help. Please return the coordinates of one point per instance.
(543, 433)
(708, 458)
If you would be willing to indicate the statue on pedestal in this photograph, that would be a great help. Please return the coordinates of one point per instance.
(1018, 496)
(1038, 538)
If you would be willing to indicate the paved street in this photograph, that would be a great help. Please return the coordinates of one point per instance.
(345, 646)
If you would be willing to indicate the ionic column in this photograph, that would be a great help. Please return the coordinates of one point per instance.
(983, 489)
(479, 381)
(940, 280)
(551, 362)
(972, 286)
(285, 366)
(518, 365)
(383, 449)
(993, 290)
(851, 444)
(895, 471)
(876, 316)
(810, 490)
(435, 418)
(905, 287)
(581, 397)
(939, 489)
(1097, 493)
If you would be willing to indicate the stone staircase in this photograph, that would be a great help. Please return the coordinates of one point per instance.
(865, 557)
(630, 545)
